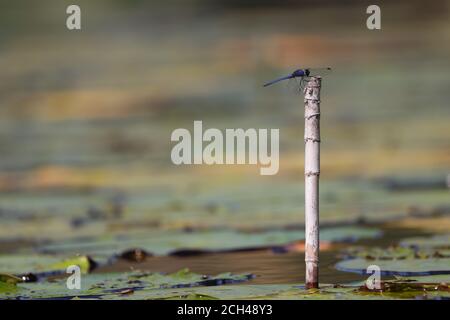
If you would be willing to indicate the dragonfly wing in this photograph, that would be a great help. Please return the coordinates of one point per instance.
(294, 85)
(319, 71)
(278, 80)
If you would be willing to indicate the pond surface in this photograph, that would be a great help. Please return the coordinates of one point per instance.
(267, 266)
(85, 168)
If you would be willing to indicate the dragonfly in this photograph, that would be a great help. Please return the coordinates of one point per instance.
(302, 75)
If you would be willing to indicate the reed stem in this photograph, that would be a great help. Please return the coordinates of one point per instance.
(312, 172)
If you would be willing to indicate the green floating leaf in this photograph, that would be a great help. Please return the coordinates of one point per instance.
(438, 241)
(184, 285)
(85, 263)
(62, 215)
(24, 263)
(437, 279)
(372, 253)
(8, 284)
(6, 278)
(191, 296)
(39, 264)
(123, 285)
(163, 243)
(295, 292)
(406, 267)
(7, 290)
(393, 253)
(185, 277)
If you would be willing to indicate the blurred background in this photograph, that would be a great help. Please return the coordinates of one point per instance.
(86, 116)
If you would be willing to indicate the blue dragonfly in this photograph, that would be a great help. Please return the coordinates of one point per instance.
(302, 75)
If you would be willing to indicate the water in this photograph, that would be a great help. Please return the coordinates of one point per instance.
(267, 266)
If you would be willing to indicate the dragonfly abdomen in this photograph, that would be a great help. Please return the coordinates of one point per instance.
(279, 79)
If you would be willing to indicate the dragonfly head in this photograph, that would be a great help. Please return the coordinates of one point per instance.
(300, 73)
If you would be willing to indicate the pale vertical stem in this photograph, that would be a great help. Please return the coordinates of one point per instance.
(312, 171)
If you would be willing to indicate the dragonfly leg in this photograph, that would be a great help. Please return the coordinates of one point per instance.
(302, 83)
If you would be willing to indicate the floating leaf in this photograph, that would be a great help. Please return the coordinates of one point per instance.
(406, 267)
(186, 285)
(42, 265)
(438, 241)
(395, 253)
(77, 213)
(85, 263)
(122, 285)
(439, 278)
(8, 284)
(24, 263)
(294, 292)
(373, 253)
(435, 224)
(9, 278)
(7, 289)
(163, 243)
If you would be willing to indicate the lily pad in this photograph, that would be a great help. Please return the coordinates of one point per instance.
(23, 263)
(438, 241)
(42, 265)
(294, 292)
(6, 278)
(163, 243)
(77, 213)
(186, 278)
(8, 283)
(405, 267)
(439, 278)
(395, 253)
(7, 289)
(120, 285)
(85, 263)
(187, 285)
